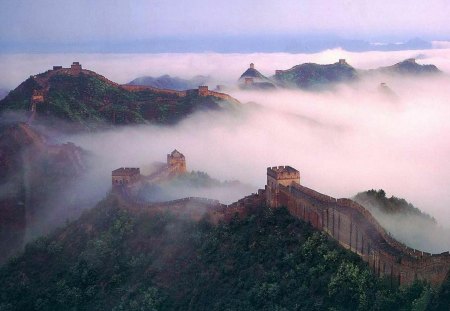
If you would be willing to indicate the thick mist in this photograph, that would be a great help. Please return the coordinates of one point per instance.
(413, 228)
(343, 141)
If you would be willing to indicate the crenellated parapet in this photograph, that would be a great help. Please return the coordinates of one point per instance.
(125, 176)
(284, 175)
(277, 177)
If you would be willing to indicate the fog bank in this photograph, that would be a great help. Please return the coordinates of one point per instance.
(343, 141)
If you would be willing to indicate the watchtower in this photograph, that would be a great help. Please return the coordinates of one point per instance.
(125, 176)
(203, 90)
(75, 68)
(252, 66)
(342, 61)
(279, 176)
(176, 163)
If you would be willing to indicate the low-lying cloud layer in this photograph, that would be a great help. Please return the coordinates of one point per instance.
(343, 141)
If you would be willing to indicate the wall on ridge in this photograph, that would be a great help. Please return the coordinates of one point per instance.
(356, 229)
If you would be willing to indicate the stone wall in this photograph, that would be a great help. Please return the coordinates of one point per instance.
(352, 226)
(125, 176)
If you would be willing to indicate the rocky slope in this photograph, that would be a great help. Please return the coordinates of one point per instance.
(34, 173)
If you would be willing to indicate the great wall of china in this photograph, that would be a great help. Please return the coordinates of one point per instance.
(76, 69)
(354, 228)
(344, 220)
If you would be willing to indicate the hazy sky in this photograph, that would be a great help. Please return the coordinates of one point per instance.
(109, 21)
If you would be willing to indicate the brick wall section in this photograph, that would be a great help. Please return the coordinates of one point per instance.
(356, 229)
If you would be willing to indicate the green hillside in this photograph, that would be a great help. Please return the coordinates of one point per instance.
(315, 76)
(113, 258)
(90, 101)
(409, 67)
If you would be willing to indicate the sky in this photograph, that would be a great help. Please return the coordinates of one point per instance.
(114, 22)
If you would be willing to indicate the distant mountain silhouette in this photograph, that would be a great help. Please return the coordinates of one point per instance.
(313, 76)
(310, 75)
(253, 79)
(413, 44)
(409, 66)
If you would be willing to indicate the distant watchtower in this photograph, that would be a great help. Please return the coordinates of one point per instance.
(279, 176)
(342, 61)
(75, 68)
(203, 90)
(176, 163)
(252, 66)
(125, 176)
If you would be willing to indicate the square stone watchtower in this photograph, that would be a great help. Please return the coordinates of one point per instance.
(176, 163)
(125, 176)
(203, 90)
(279, 176)
(75, 68)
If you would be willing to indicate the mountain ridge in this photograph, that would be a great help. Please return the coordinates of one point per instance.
(116, 258)
(313, 76)
(169, 82)
(91, 100)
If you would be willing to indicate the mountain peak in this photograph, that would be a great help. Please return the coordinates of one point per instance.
(251, 72)
(410, 66)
